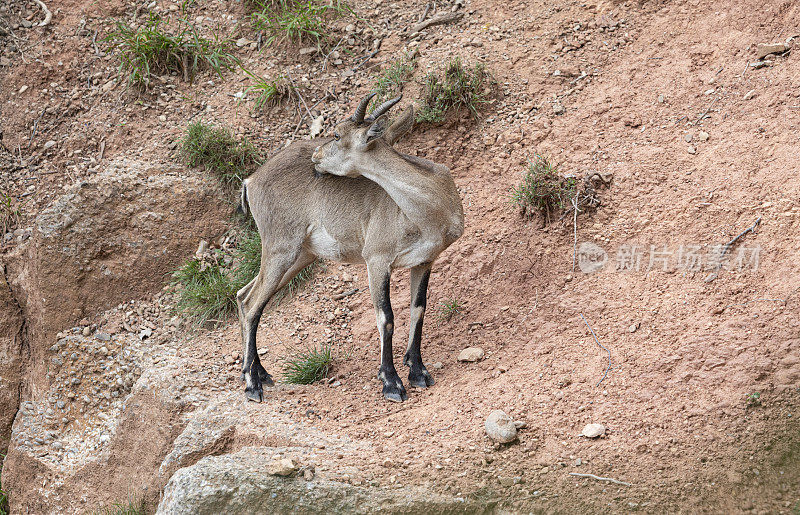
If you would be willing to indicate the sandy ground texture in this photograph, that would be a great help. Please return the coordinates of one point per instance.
(668, 100)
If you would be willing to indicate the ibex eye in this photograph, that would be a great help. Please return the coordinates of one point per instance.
(336, 136)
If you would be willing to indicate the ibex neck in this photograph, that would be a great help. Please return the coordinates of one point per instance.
(427, 197)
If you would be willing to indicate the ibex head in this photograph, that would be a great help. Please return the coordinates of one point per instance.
(356, 137)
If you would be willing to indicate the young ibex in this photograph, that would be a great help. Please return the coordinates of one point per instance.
(352, 199)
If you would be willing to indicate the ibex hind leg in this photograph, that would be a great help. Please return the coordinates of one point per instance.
(276, 271)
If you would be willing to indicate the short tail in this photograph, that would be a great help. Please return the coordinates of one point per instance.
(243, 207)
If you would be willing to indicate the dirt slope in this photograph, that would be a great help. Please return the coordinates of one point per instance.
(662, 97)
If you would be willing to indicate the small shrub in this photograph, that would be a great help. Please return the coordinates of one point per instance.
(268, 92)
(151, 49)
(219, 151)
(308, 366)
(754, 399)
(390, 81)
(543, 189)
(297, 21)
(459, 87)
(450, 308)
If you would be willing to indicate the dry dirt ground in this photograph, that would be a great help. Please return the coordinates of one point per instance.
(662, 96)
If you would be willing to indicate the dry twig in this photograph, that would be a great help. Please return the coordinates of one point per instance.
(609, 479)
(447, 17)
(601, 346)
(727, 248)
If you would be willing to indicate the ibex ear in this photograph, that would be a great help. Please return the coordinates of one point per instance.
(400, 126)
(377, 129)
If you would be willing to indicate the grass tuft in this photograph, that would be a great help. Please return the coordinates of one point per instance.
(297, 21)
(459, 87)
(152, 49)
(268, 92)
(389, 83)
(4, 509)
(218, 150)
(308, 366)
(450, 308)
(133, 506)
(10, 213)
(753, 399)
(207, 288)
(543, 189)
(208, 293)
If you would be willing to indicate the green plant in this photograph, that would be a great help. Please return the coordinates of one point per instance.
(133, 506)
(460, 86)
(3, 499)
(754, 399)
(219, 151)
(543, 188)
(9, 213)
(450, 308)
(207, 294)
(389, 83)
(268, 92)
(207, 289)
(297, 21)
(308, 366)
(151, 48)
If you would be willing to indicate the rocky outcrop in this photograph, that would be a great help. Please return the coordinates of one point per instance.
(116, 236)
(238, 483)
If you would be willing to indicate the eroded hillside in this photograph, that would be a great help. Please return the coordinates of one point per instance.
(692, 130)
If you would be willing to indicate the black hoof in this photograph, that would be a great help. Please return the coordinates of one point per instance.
(254, 394)
(395, 394)
(420, 378)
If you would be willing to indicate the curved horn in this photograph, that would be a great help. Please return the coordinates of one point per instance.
(361, 110)
(383, 108)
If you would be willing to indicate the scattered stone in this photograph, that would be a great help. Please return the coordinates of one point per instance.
(766, 49)
(703, 136)
(471, 354)
(688, 137)
(760, 64)
(509, 481)
(660, 99)
(308, 474)
(103, 337)
(633, 328)
(49, 144)
(750, 94)
(438, 365)
(23, 89)
(241, 42)
(87, 331)
(520, 424)
(284, 467)
(308, 50)
(691, 150)
(578, 462)
(593, 430)
(145, 333)
(558, 109)
(500, 427)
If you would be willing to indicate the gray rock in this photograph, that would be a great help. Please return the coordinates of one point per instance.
(593, 430)
(238, 483)
(500, 427)
(283, 467)
(471, 354)
(766, 49)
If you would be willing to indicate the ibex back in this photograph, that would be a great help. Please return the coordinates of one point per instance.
(352, 199)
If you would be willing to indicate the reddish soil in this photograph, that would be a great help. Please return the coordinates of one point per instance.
(687, 353)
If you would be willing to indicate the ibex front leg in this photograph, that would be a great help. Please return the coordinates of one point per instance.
(379, 275)
(418, 376)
